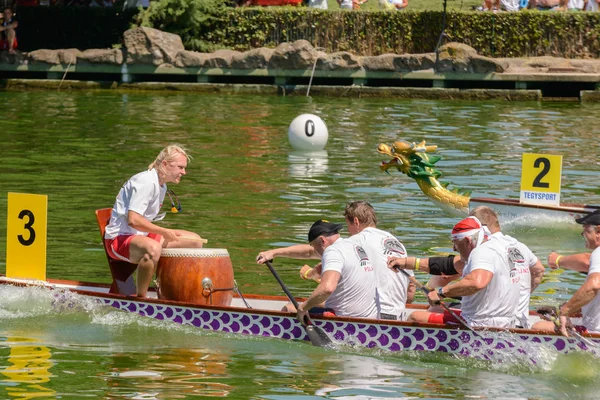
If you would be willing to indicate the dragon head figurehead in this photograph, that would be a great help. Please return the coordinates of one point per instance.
(412, 159)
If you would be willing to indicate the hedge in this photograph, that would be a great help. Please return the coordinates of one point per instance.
(521, 34)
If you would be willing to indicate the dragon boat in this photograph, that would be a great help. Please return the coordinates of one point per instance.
(260, 315)
(196, 287)
(414, 160)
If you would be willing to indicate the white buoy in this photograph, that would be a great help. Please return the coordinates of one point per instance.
(308, 132)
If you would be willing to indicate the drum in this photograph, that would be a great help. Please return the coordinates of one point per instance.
(198, 276)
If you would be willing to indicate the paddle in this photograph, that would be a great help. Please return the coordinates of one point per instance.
(550, 313)
(317, 336)
(426, 291)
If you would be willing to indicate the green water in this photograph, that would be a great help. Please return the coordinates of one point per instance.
(247, 191)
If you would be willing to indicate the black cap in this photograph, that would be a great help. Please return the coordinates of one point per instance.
(590, 219)
(322, 227)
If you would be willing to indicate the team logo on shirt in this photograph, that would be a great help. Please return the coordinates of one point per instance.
(514, 257)
(364, 259)
(393, 248)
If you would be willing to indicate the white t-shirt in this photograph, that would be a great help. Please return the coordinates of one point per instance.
(510, 5)
(320, 4)
(355, 294)
(391, 287)
(575, 4)
(496, 304)
(346, 5)
(523, 259)
(591, 311)
(395, 3)
(142, 194)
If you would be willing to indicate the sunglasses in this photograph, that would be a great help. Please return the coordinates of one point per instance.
(173, 197)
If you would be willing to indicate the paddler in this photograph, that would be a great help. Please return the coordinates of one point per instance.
(393, 290)
(490, 285)
(576, 262)
(529, 267)
(348, 286)
(348, 282)
(131, 234)
(587, 297)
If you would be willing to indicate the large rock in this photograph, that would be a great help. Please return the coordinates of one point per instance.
(101, 56)
(547, 62)
(151, 46)
(449, 64)
(586, 66)
(44, 56)
(459, 57)
(339, 61)
(297, 55)
(190, 59)
(414, 62)
(383, 62)
(253, 59)
(68, 56)
(455, 57)
(457, 51)
(17, 58)
(220, 59)
(485, 65)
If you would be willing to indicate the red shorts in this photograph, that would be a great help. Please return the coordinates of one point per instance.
(4, 45)
(445, 318)
(118, 248)
(580, 329)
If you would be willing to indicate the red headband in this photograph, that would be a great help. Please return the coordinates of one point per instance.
(467, 227)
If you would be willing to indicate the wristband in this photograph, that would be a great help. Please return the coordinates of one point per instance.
(556, 262)
(417, 261)
(440, 293)
(305, 275)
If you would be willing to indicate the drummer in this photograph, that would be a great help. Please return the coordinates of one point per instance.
(131, 234)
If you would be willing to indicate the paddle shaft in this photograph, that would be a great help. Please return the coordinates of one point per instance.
(316, 335)
(426, 291)
(552, 317)
(285, 289)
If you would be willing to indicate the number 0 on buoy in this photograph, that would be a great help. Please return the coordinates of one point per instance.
(26, 236)
(540, 179)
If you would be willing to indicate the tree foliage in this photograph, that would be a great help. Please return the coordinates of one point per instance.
(193, 20)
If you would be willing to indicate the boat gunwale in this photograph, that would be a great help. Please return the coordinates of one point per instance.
(48, 284)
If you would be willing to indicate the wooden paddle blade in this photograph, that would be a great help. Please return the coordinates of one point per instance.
(317, 336)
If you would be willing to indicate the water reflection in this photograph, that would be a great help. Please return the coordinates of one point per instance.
(308, 164)
(178, 373)
(30, 368)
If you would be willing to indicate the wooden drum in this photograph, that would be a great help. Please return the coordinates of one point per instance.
(199, 276)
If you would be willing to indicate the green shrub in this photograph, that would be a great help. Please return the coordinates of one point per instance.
(520, 34)
(193, 20)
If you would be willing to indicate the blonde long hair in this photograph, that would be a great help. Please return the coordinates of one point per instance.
(168, 154)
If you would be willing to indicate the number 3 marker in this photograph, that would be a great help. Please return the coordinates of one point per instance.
(26, 236)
